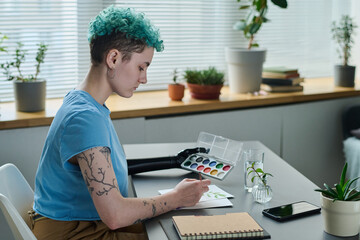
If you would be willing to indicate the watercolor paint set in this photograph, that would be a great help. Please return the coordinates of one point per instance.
(221, 157)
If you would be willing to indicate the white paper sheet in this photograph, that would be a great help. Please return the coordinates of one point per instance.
(215, 197)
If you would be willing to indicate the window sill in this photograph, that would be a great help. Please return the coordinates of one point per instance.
(157, 103)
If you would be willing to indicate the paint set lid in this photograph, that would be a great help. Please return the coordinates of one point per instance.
(227, 150)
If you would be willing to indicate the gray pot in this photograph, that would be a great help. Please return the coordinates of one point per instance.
(244, 69)
(344, 76)
(30, 96)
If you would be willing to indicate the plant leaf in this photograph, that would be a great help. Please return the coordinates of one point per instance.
(280, 3)
(326, 193)
(252, 179)
(254, 27)
(353, 196)
(348, 185)
(339, 191)
(330, 189)
(244, 7)
(343, 175)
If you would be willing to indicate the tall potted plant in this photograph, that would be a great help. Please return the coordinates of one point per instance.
(342, 33)
(204, 84)
(29, 90)
(341, 207)
(245, 64)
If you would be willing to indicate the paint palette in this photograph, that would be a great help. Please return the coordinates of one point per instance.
(221, 158)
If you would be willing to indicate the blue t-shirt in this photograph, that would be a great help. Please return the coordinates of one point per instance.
(80, 124)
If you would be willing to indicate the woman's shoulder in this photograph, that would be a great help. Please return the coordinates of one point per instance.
(77, 105)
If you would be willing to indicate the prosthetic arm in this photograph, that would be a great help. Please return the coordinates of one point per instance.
(160, 163)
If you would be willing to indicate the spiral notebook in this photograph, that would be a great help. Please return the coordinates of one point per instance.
(231, 225)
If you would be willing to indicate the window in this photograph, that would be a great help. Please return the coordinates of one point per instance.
(195, 33)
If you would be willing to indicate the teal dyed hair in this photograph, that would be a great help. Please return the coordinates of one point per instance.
(125, 20)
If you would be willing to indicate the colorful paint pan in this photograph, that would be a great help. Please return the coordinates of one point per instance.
(206, 161)
(208, 166)
(200, 168)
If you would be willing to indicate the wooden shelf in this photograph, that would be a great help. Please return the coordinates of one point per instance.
(157, 103)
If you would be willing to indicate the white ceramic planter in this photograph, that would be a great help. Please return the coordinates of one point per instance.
(244, 69)
(341, 218)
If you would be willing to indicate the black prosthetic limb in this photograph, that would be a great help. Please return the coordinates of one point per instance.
(160, 163)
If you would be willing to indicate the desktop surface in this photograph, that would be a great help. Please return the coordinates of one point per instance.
(288, 186)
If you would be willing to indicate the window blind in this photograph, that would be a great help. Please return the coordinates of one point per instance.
(195, 33)
(57, 23)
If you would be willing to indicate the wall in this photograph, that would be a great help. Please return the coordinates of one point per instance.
(307, 136)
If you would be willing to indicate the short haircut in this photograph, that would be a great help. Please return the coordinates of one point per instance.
(122, 29)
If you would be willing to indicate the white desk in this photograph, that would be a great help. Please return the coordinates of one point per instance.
(288, 186)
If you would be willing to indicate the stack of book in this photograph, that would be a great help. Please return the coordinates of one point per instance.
(281, 79)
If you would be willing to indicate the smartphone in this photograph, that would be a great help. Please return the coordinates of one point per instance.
(291, 211)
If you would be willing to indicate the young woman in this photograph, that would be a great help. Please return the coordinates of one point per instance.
(81, 182)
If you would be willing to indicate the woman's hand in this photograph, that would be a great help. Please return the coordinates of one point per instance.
(189, 191)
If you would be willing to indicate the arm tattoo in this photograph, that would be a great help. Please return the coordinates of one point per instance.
(140, 220)
(106, 152)
(153, 209)
(100, 178)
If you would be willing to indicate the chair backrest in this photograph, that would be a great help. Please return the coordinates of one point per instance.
(16, 198)
(350, 120)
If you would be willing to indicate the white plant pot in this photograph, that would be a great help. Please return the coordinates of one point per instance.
(244, 69)
(341, 218)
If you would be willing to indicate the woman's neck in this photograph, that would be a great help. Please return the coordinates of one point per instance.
(96, 85)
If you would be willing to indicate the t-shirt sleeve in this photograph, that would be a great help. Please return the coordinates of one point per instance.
(86, 130)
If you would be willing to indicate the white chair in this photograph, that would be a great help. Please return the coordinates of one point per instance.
(16, 198)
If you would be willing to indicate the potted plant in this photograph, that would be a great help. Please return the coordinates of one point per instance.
(261, 192)
(176, 90)
(204, 84)
(245, 64)
(342, 33)
(341, 207)
(29, 90)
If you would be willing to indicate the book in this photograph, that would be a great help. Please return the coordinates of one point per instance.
(282, 81)
(281, 88)
(228, 226)
(280, 69)
(280, 75)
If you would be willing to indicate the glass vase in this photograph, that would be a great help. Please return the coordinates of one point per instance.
(261, 192)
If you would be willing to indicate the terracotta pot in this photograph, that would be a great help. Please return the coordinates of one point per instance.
(176, 91)
(204, 91)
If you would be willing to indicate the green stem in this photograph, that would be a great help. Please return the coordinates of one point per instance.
(252, 167)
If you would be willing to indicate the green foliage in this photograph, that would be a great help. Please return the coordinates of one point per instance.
(19, 58)
(2, 38)
(209, 76)
(257, 10)
(259, 173)
(341, 191)
(342, 33)
(175, 76)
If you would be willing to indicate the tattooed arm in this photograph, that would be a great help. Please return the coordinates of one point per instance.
(115, 210)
